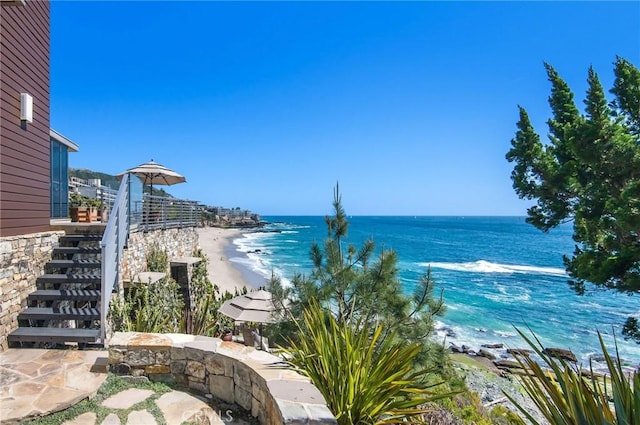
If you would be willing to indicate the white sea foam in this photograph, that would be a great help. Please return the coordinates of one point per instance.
(504, 334)
(483, 266)
(510, 294)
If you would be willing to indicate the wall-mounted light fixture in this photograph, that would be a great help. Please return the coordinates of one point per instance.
(12, 2)
(26, 107)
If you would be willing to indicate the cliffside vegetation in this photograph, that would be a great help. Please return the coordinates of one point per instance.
(589, 173)
(366, 344)
(161, 308)
(360, 285)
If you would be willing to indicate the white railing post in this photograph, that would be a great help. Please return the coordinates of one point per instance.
(112, 245)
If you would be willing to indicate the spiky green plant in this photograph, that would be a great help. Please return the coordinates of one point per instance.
(158, 309)
(566, 395)
(206, 301)
(364, 378)
(157, 259)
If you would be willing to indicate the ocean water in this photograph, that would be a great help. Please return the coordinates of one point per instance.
(496, 273)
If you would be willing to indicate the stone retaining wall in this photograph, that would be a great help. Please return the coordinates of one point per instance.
(22, 260)
(177, 242)
(254, 380)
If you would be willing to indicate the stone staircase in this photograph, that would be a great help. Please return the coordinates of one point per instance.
(65, 308)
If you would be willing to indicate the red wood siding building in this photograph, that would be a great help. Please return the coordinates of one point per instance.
(24, 147)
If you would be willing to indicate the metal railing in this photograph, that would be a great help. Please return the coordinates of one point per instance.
(113, 241)
(103, 193)
(159, 212)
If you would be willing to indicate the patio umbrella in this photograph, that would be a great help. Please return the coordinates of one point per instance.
(153, 173)
(256, 306)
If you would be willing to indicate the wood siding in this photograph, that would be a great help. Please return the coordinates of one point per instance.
(24, 148)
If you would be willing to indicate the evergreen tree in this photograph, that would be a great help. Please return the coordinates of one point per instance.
(589, 172)
(356, 287)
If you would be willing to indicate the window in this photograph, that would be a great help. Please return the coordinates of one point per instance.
(59, 180)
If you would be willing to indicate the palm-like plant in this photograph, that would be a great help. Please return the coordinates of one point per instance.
(567, 395)
(365, 379)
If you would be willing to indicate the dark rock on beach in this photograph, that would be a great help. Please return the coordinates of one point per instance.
(455, 349)
(492, 345)
(507, 364)
(487, 354)
(519, 351)
(463, 350)
(449, 332)
(560, 353)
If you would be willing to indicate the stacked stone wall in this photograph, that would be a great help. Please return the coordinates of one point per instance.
(22, 261)
(256, 381)
(176, 242)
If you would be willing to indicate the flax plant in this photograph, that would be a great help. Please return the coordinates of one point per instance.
(364, 378)
(566, 395)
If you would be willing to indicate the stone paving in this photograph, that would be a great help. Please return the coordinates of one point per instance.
(176, 407)
(34, 382)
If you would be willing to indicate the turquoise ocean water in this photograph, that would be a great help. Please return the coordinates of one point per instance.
(496, 272)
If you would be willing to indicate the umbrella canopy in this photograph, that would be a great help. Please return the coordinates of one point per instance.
(254, 306)
(153, 173)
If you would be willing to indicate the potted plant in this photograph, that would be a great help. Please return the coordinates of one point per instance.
(83, 209)
(227, 335)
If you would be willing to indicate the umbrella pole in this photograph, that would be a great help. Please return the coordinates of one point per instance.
(260, 339)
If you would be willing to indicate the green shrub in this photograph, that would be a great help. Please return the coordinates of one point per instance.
(157, 259)
(160, 308)
(144, 310)
(205, 319)
(567, 395)
(365, 379)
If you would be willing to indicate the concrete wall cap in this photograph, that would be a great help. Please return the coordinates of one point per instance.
(207, 345)
(178, 340)
(295, 391)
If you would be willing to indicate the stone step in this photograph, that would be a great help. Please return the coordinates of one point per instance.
(87, 278)
(81, 237)
(83, 263)
(59, 313)
(65, 294)
(70, 250)
(59, 335)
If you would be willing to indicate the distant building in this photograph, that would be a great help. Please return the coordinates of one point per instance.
(92, 188)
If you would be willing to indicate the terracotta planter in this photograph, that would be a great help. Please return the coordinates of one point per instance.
(83, 214)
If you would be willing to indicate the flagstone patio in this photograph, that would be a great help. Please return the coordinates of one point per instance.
(35, 382)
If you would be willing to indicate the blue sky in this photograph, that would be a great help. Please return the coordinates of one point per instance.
(410, 106)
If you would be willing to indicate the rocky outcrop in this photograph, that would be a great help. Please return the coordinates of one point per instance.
(507, 364)
(561, 353)
(519, 351)
(494, 346)
(487, 354)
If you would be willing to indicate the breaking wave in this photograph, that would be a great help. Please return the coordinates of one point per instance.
(483, 266)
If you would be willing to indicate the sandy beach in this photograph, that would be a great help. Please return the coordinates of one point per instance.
(213, 241)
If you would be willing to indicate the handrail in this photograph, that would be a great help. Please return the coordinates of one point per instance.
(161, 212)
(113, 241)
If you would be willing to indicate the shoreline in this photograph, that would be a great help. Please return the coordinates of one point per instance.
(217, 244)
